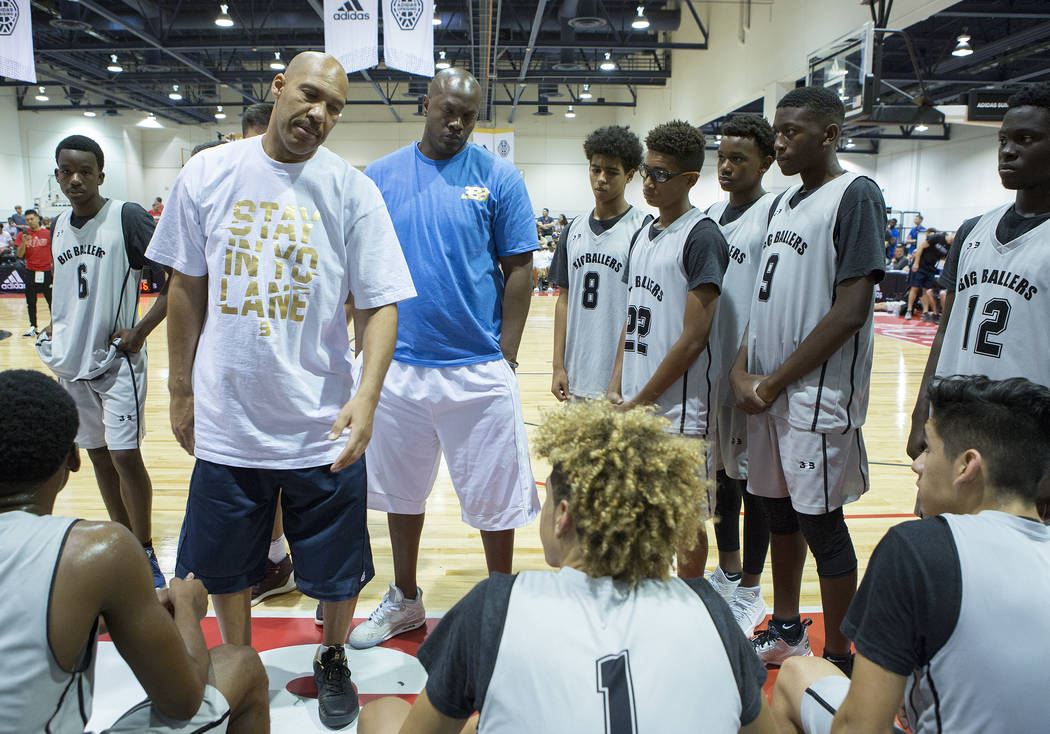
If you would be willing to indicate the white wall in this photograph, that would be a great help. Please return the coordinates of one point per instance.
(12, 161)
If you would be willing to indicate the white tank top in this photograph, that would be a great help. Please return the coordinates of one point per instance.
(656, 308)
(998, 324)
(36, 694)
(745, 236)
(991, 674)
(597, 301)
(96, 292)
(793, 292)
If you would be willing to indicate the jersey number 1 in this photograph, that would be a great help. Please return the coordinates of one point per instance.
(617, 689)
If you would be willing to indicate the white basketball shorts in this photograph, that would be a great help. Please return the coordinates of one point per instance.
(212, 717)
(727, 442)
(112, 406)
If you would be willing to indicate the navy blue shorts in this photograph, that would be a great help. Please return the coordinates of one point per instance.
(925, 279)
(229, 515)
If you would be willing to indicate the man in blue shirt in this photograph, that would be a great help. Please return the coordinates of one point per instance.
(465, 223)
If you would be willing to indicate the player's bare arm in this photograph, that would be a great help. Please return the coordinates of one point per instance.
(378, 338)
(849, 312)
(132, 340)
(764, 723)
(916, 437)
(102, 573)
(187, 308)
(560, 378)
(744, 384)
(700, 306)
(517, 295)
(615, 392)
(874, 697)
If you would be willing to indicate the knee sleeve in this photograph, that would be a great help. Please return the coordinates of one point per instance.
(829, 541)
(783, 520)
(756, 534)
(727, 512)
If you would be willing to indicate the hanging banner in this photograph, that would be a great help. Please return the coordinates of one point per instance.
(16, 41)
(351, 33)
(498, 142)
(408, 35)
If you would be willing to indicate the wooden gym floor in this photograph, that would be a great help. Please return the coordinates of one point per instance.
(451, 558)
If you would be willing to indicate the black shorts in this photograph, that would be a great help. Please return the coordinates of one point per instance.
(925, 279)
(229, 515)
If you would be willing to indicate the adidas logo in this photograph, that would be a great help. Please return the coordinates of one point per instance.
(14, 282)
(350, 10)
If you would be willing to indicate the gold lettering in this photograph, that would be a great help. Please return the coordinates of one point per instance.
(223, 307)
(243, 211)
(307, 226)
(286, 229)
(278, 301)
(289, 213)
(298, 309)
(304, 274)
(270, 207)
(252, 301)
(283, 254)
(242, 243)
(246, 262)
(264, 328)
(227, 260)
(265, 233)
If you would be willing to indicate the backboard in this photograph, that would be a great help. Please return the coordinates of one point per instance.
(844, 65)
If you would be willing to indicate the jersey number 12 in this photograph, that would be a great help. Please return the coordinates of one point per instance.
(617, 689)
(998, 312)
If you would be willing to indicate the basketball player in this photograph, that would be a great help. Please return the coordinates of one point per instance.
(60, 576)
(267, 238)
(588, 267)
(674, 275)
(464, 219)
(999, 266)
(745, 153)
(937, 623)
(95, 341)
(34, 244)
(256, 119)
(804, 366)
(528, 651)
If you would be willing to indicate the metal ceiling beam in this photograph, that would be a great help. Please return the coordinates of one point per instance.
(596, 45)
(537, 21)
(117, 20)
(991, 16)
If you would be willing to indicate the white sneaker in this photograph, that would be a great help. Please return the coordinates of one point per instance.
(720, 583)
(31, 331)
(772, 649)
(748, 608)
(393, 616)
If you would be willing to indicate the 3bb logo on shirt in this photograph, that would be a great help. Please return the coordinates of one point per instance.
(477, 193)
(806, 465)
(351, 10)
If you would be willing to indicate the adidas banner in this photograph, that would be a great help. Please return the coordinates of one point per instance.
(16, 41)
(408, 35)
(351, 32)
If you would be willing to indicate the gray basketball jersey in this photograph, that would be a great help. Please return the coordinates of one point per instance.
(656, 307)
(583, 654)
(597, 301)
(998, 325)
(96, 292)
(793, 292)
(745, 236)
(982, 681)
(36, 694)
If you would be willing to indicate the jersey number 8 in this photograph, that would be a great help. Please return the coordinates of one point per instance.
(590, 290)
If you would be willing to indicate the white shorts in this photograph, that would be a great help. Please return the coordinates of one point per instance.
(472, 415)
(112, 406)
(820, 472)
(821, 701)
(212, 717)
(727, 442)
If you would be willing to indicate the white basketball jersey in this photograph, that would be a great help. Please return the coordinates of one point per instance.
(793, 292)
(998, 325)
(582, 654)
(984, 682)
(96, 292)
(597, 300)
(656, 307)
(36, 694)
(745, 236)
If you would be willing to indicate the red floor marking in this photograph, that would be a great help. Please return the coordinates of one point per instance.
(895, 327)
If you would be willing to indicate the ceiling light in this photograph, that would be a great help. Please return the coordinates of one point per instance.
(174, 95)
(114, 65)
(850, 143)
(921, 128)
(586, 93)
(962, 46)
(441, 62)
(42, 97)
(224, 20)
(570, 113)
(608, 64)
(437, 18)
(640, 22)
(150, 120)
(277, 64)
(219, 114)
(89, 113)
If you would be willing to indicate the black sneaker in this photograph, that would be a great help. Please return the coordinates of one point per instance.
(842, 662)
(336, 696)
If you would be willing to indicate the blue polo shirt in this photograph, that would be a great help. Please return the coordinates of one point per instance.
(455, 219)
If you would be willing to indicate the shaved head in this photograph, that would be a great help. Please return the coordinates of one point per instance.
(315, 64)
(451, 108)
(309, 96)
(455, 79)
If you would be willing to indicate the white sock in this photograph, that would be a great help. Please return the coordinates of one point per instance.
(278, 550)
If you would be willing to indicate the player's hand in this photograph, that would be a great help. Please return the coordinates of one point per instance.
(356, 415)
(47, 330)
(745, 388)
(625, 405)
(130, 340)
(560, 384)
(916, 439)
(164, 597)
(181, 411)
(189, 593)
(614, 397)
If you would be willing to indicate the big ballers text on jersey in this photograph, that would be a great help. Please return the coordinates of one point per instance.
(998, 323)
(597, 300)
(794, 291)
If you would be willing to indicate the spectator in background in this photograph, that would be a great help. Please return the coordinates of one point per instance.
(923, 280)
(913, 233)
(157, 209)
(900, 260)
(545, 224)
(19, 220)
(256, 118)
(893, 235)
(34, 244)
(560, 226)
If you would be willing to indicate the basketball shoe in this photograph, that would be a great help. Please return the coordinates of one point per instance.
(394, 615)
(277, 579)
(721, 583)
(774, 644)
(158, 577)
(336, 696)
(748, 608)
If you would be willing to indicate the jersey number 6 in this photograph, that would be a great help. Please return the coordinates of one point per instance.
(82, 287)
